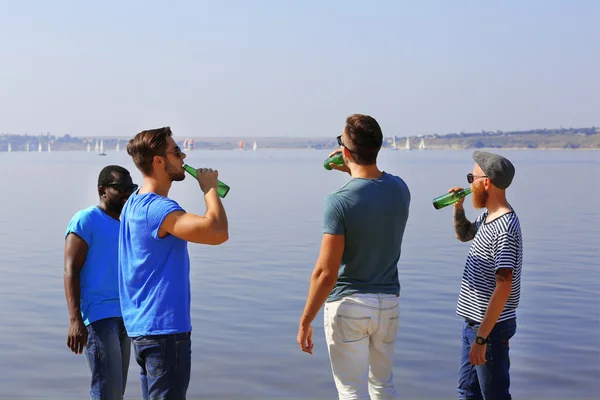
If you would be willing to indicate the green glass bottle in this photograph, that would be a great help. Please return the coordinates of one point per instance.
(337, 159)
(450, 198)
(222, 189)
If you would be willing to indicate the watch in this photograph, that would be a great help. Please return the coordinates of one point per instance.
(480, 340)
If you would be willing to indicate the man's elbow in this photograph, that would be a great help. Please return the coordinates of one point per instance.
(221, 237)
(324, 277)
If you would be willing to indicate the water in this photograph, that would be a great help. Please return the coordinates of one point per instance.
(247, 294)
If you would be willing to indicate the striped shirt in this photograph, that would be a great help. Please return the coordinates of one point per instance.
(497, 244)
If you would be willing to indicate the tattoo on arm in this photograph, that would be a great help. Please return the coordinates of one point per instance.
(465, 229)
(504, 275)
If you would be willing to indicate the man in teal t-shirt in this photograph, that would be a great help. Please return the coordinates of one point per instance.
(356, 274)
(91, 286)
(154, 266)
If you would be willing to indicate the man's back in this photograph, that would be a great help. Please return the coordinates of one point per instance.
(154, 272)
(372, 214)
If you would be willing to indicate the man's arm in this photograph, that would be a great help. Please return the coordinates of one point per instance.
(465, 229)
(212, 228)
(324, 276)
(74, 258)
(497, 301)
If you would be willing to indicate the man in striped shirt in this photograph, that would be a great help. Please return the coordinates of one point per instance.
(491, 282)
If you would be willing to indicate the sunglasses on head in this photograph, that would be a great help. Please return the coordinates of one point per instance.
(122, 188)
(471, 178)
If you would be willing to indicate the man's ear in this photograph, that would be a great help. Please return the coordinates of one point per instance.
(346, 152)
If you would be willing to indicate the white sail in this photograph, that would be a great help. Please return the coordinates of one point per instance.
(89, 147)
(49, 148)
(422, 144)
(96, 147)
(254, 146)
(40, 147)
(407, 143)
(117, 148)
(9, 147)
(27, 146)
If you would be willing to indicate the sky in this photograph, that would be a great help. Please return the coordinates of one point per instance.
(297, 68)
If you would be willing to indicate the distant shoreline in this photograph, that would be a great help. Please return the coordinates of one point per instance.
(541, 139)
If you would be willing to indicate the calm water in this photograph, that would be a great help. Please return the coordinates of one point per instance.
(247, 295)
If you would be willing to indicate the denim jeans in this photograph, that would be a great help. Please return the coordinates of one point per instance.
(361, 331)
(107, 353)
(490, 381)
(165, 362)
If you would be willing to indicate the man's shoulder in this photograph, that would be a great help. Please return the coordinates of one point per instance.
(87, 214)
(152, 201)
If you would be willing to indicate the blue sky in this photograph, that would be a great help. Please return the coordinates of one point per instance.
(297, 68)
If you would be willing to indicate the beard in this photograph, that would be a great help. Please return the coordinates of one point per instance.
(116, 205)
(175, 173)
(480, 197)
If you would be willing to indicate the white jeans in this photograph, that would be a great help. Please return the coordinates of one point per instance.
(360, 331)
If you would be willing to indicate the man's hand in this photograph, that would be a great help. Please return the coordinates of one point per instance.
(477, 354)
(207, 178)
(77, 336)
(459, 204)
(343, 168)
(305, 332)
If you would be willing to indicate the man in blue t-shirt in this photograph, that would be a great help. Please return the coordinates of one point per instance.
(91, 286)
(356, 274)
(154, 266)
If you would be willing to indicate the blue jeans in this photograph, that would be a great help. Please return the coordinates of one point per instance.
(107, 354)
(491, 380)
(166, 362)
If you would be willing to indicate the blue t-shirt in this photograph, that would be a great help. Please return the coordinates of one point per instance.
(372, 214)
(99, 275)
(154, 273)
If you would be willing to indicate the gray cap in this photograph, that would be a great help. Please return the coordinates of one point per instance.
(497, 168)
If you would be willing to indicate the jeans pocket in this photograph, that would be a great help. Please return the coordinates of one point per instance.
(392, 330)
(183, 350)
(353, 329)
(152, 352)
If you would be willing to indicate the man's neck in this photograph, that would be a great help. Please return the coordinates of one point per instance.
(365, 171)
(106, 209)
(497, 206)
(152, 185)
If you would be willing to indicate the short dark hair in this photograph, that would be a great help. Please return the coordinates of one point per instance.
(366, 138)
(146, 145)
(106, 175)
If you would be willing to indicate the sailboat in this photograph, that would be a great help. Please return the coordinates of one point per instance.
(49, 148)
(394, 147)
(117, 149)
(89, 147)
(27, 146)
(9, 147)
(102, 153)
(407, 143)
(96, 147)
(254, 146)
(39, 147)
(422, 145)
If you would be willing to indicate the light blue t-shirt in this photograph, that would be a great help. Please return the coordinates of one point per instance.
(154, 273)
(99, 275)
(372, 214)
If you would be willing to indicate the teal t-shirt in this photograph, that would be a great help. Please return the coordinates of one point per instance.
(372, 214)
(99, 275)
